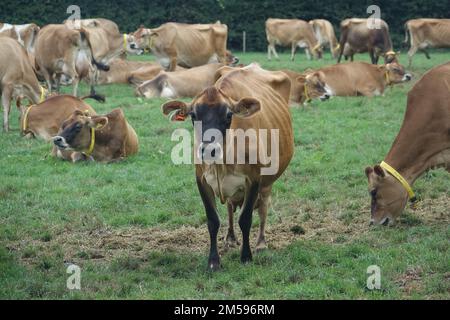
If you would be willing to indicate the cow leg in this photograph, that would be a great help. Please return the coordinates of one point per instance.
(262, 211)
(308, 53)
(76, 81)
(231, 240)
(269, 53)
(293, 49)
(6, 102)
(209, 203)
(274, 50)
(424, 50)
(412, 51)
(245, 221)
(372, 56)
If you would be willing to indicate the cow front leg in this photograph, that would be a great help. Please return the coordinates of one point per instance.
(293, 49)
(212, 216)
(427, 55)
(263, 208)
(412, 51)
(245, 221)
(6, 102)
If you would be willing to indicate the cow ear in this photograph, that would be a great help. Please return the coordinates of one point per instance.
(246, 107)
(223, 70)
(175, 110)
(98, 123)
(301, 79)
(379, 171)
(368, 171)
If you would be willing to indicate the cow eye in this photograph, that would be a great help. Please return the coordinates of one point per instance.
(373, 193)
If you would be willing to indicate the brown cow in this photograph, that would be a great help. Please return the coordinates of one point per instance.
(180, 84)
(423, 143)
(324, 32)
(427, 33)
(17, 78)
(366, 35)
(307, 86)
(251, 101)
(64, 51)
(186, 45)
(44, 119)
(294, 33)
(361, 78)
(102, 138)
(25, 34)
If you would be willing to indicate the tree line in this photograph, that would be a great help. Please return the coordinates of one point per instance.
(239, 15)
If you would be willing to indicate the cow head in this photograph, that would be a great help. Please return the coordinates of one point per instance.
(231, 60)
(131, 45)
(391, 57)
(215, 111)
(317, 51)
(388, 196)
(395, 73)
(314, 86)
(144, 38)
(76, 132)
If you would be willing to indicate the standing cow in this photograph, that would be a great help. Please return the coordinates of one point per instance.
(186, 45)
(423, 143)
(324, 31)
(251, 101)
(294, 33)
(427, 33)
(366, 35)
(25, 34)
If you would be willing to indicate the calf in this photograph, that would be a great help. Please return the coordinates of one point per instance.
(103, 138)
(17, 78)
(253, 100)
(180, 84)
(423, 143)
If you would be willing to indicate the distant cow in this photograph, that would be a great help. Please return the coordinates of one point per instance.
(186, 45)
(294, 33)
(324, 32)
(102, 138)
(253, 100)
(358, 36)
(423, 143)
(17, 77)
(25, 34)
(427, 33)
(180, 84)
(64, 51)
(44, 119)
(361, 78)
(307, 86)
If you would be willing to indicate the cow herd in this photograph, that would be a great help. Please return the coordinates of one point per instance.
(193, 62)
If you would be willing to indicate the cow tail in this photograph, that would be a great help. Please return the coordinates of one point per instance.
(99, 65)
(95, 96)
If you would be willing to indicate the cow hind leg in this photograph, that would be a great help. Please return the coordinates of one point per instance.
(262, 211)
(245, 221)
(427, 55)
(411, 53)
(231, 239)
(6, 102)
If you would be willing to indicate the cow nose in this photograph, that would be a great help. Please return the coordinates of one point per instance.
(210, 152)
(57, 140)
(326, 96)
(385, 222)
(133, 46)
(407, 77)
(371, 222)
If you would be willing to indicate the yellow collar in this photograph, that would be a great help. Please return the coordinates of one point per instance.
(42, 98)
(125, 42)
(398, 176)
(388, 79)
(25, 118)
(92, 145)
(307, 97)
(337, 47)
(317, 46)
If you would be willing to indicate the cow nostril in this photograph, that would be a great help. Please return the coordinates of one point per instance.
(385, 222)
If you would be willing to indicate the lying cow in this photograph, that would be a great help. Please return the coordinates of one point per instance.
(366, 35)
(423, 143)
(307, 86)
(126, 71)
(64, 51)
(361, 78)
(17, 78)
(294, 33)
(249, 99)
(102, 138)
(44, 120)
(186, 45)
(427, 33)
(324, 32)
(180, 84)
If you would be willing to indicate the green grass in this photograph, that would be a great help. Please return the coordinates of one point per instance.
(137, 228)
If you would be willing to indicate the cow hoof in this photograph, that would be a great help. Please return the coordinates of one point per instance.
(261, 246)
(246, 258)
(231, 241)
(214, 266)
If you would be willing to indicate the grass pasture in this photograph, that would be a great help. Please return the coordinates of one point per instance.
(137, 228)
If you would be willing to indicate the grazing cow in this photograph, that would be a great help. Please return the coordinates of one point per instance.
(17, 78)
(61, 51)
(125, 71)
(361, 78)
(423, 143)
(186, 45)
(44, 119)
(324, 32)
(180, 84)
(24, 33)
(102, 138)
(358, 35)
(307, 86)
(247, 100)
(427, 33)
(294, 33)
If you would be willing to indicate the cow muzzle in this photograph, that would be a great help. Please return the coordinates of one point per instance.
(60, 142)
(407, 77)
(210, 152)
(324, 97)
